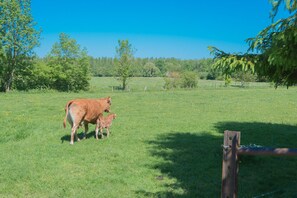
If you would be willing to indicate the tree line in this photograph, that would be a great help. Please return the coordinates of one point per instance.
(154, 67)
(67, 67)
(41, 72)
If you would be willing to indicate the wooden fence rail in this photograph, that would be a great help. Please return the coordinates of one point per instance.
(231, 151)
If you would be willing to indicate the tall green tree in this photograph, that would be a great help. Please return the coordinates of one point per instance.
(18, 37)
(124, 61)
(272, 53)
(70, 65)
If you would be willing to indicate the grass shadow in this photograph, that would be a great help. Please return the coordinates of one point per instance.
(192, 159)
(118, 87)
(265, 175)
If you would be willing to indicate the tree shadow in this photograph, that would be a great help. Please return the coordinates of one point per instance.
(191, 162)
(269, 176)
(266, 134)
(192, 159)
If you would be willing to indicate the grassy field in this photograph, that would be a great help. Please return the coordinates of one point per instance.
(164, 143)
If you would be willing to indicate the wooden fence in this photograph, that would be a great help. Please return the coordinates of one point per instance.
(231, 151)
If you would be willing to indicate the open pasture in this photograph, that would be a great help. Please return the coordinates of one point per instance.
(162, 144)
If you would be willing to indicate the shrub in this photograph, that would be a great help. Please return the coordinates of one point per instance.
(37, 76)
(189, 80)
(150, 70)
(172, 80)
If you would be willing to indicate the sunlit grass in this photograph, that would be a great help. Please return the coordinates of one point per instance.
(164, 143)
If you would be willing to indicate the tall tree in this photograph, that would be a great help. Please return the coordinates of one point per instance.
(272, 52)
(18, 37)
(70, 65)
(124, 58)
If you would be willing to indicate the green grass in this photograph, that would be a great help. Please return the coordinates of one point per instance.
(162, 144)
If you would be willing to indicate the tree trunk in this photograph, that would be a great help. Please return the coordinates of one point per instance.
(124, 83)
(8, 83)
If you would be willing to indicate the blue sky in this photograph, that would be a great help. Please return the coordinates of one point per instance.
(156, 28)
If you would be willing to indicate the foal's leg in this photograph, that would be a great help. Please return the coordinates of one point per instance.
(97, 128)
(86, 129)
(107, 131)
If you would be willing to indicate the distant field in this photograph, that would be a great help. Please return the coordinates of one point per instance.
(164, 143)
(108, 84)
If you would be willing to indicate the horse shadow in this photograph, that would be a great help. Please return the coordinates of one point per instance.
(80, 136)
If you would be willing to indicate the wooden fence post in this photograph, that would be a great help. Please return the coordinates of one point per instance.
(230, 166)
